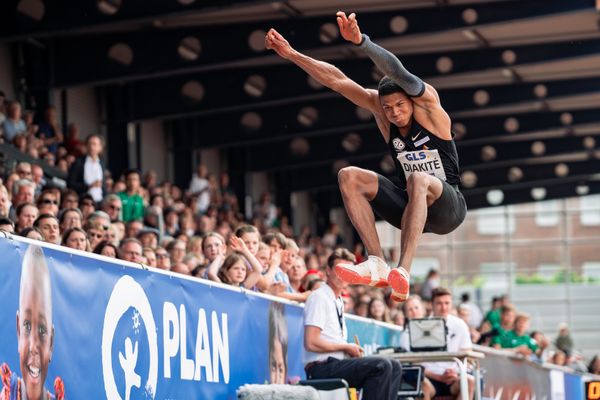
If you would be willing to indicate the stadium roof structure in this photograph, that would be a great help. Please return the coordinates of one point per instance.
(520, 79)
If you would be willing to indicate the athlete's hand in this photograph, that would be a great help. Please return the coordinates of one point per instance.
(349, 27)
(277, 43)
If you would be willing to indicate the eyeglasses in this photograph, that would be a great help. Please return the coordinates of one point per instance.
(161, 255)
(116, 208)
(49, 201)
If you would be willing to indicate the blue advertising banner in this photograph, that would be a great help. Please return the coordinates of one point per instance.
(82, 326)
(372, 334)
(98, 329)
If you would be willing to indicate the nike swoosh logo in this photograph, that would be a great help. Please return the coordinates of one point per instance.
(416, 136)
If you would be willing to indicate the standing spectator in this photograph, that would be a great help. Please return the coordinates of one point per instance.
(444, 375)
(265, 210)
(37, 175)
(131, 199)
(475, 315)
(199, 187)
(13, 125)
(86, 175)
(73, 144)
(564, 341)
(432, 281)
(50, 131)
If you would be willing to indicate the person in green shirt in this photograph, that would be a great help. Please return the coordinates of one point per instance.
(517, 339)
(133, 202)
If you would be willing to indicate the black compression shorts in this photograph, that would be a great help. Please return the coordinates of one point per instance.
(444, 215)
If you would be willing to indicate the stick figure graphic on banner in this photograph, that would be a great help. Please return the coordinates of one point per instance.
(35, 333)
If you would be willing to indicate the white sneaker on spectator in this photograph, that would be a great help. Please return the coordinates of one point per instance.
(373, 272)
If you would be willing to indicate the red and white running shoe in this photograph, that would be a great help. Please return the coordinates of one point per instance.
(373, 272)
(398, 279)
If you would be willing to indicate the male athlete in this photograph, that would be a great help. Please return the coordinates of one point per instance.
(417, 131)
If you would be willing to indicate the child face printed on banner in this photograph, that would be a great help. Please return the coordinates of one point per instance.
(35, 331)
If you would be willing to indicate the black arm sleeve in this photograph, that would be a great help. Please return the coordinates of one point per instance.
(389, 64)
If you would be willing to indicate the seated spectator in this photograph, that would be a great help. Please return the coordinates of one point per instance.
(432, 281)
(37, 176)
(132, 228)
(50, 131)
(149, 237)
(131, 250)
(475, 315)
(163, 261)
(48, 202)
(112, 205)
(87, 205)
(464, 312)
(48, 226)
(508, 312)
(199, 188)
(70, 218)
(23, 192)
(95, 233)
(13, 124)
(150, 256)
(70, 199)
(176, 250)
(559, 358)
(32, 233)
(23, 169)
(194, 246)
(26, 213)
(107, 249)
(6, 225)
(265, 210)
(517, 338)
(379, 311)
(328, 354)
(594, 366)
(4, 202)
(444, 375)
(76, 238)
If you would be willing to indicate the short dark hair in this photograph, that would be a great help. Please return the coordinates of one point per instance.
(439, 292)
(239, 232)
(278, 236)
(36, 224)
(387, 86)
(341, 254)
(21, 206)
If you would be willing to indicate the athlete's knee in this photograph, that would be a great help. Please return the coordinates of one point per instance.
(417, 181)
(351, 178)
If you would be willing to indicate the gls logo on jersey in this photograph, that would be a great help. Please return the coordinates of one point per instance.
(128, 294)
(416, 156)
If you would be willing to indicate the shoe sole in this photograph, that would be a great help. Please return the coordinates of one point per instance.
(355, 278)
(400, 285)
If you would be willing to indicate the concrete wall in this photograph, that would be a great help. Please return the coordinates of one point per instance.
(154, 149)
(6, 72)
(83, 109)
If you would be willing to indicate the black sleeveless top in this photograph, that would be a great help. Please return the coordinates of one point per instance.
(418, 139)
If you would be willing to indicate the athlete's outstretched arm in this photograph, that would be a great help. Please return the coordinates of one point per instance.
(326, 74)
(423, 94)
(387, 62)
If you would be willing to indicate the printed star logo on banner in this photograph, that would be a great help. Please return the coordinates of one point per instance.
(136, 321)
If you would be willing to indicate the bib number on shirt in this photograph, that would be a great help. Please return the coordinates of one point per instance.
(427, 161)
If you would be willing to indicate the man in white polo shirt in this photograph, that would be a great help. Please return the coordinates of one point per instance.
(444, 375)
(327, 352)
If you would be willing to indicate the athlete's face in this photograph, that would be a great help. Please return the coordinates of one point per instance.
(398, 108)
(277, 364)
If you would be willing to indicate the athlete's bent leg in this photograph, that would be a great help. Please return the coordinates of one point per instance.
(423, 190)
(358, 187)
